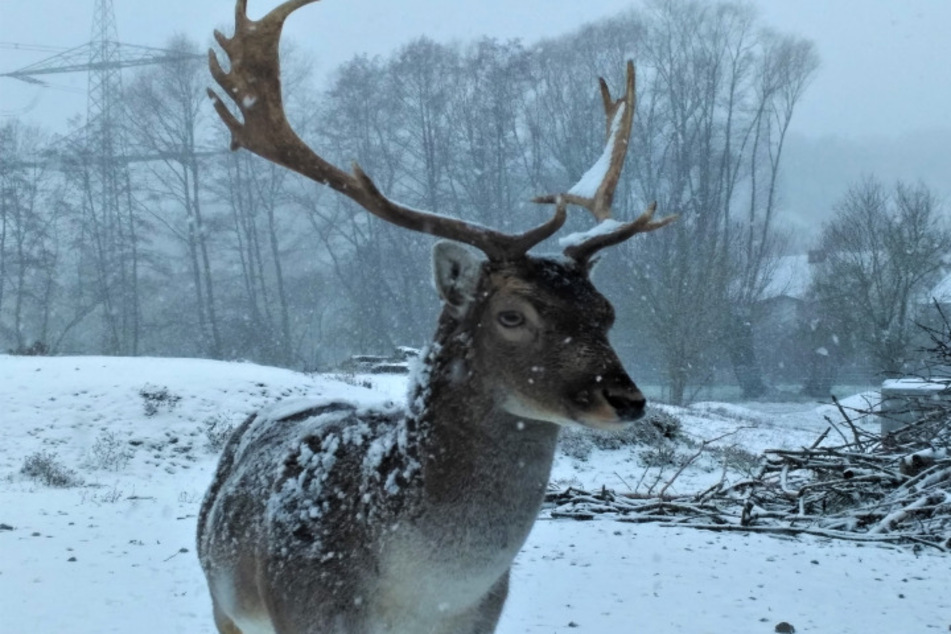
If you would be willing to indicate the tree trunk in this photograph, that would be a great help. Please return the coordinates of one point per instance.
(742, 352)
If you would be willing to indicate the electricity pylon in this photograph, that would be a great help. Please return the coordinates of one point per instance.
(100, 151)
(103, 57)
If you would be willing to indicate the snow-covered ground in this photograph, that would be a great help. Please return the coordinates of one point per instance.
(117, 555)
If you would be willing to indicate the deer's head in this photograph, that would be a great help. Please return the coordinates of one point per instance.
(536, 337)
(538, 327)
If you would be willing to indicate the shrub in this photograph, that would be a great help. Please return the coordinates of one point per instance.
(44, 467)
(109, 452)
(156, 397)
(738, 459)
(218, 429)
(351, 378)
(655, 430)
(576, 443)
(36, 349)
(661, 456)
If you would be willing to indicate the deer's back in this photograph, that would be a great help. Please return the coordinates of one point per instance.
(300, 504)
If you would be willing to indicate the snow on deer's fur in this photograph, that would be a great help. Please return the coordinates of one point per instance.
(324, 518)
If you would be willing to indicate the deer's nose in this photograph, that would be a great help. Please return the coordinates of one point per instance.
(628, 402)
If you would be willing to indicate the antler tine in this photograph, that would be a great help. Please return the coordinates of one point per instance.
(254, 85)
(644, 223)
(595, 190)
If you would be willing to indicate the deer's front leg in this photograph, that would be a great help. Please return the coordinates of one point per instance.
(484, 616)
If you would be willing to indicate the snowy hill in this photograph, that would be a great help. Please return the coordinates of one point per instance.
(137, 437)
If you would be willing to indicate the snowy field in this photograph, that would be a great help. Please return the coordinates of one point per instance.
(116, 553)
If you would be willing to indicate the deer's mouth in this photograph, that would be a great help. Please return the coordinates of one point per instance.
(608, 407)
(604, 408)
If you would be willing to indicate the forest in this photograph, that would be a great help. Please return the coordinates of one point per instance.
(178, 247)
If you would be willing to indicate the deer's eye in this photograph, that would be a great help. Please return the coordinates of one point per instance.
(511, 318)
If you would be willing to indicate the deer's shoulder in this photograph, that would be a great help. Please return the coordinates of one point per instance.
(317, 463)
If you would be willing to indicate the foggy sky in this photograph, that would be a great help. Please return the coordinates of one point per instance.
(884, 63)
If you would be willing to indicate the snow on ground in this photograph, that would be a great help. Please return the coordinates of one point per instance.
(116, 554)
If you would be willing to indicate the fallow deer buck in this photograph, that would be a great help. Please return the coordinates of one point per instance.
(324, 518)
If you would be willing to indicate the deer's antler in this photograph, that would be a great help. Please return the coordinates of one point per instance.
(254, 85)
(595, 190)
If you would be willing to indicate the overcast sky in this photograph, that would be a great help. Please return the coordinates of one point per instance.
(886, 64)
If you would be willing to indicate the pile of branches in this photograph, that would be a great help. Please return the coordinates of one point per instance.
(895, 488)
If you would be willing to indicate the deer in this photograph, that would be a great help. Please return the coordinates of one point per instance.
(331, 517)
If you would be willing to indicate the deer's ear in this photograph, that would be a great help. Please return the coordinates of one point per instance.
(456, 272)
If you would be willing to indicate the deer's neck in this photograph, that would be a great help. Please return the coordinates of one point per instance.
(483, 468)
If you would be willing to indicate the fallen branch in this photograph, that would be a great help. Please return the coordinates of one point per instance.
(889, 490)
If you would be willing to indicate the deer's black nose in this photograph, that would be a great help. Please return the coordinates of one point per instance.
(628, 402)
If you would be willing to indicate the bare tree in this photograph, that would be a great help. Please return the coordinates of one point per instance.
(716, 95)
(883, 251)
(395, 117)
(363, 120)
(108, 236)
(490, 166)
(718, 99)
(168, 105)
(258, 237)
(30, 221)
(781, 74)
(562, 141)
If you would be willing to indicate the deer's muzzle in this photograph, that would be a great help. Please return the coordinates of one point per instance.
(627, 401)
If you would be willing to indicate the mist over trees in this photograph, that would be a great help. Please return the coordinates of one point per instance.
(223, 255)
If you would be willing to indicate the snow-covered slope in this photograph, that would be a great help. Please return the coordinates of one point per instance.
(116, 554)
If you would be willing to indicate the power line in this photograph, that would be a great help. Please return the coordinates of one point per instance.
(40, 48)
(97, 57)
(102, 58)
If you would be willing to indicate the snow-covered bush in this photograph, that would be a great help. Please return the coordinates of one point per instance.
(44, 467)
(217, 430)
(156, 397)
(661, 455)
(351, 378)
(656, 430)
(109, 452)
(737, 459)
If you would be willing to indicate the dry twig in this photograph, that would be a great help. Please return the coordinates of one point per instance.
(894, 490)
